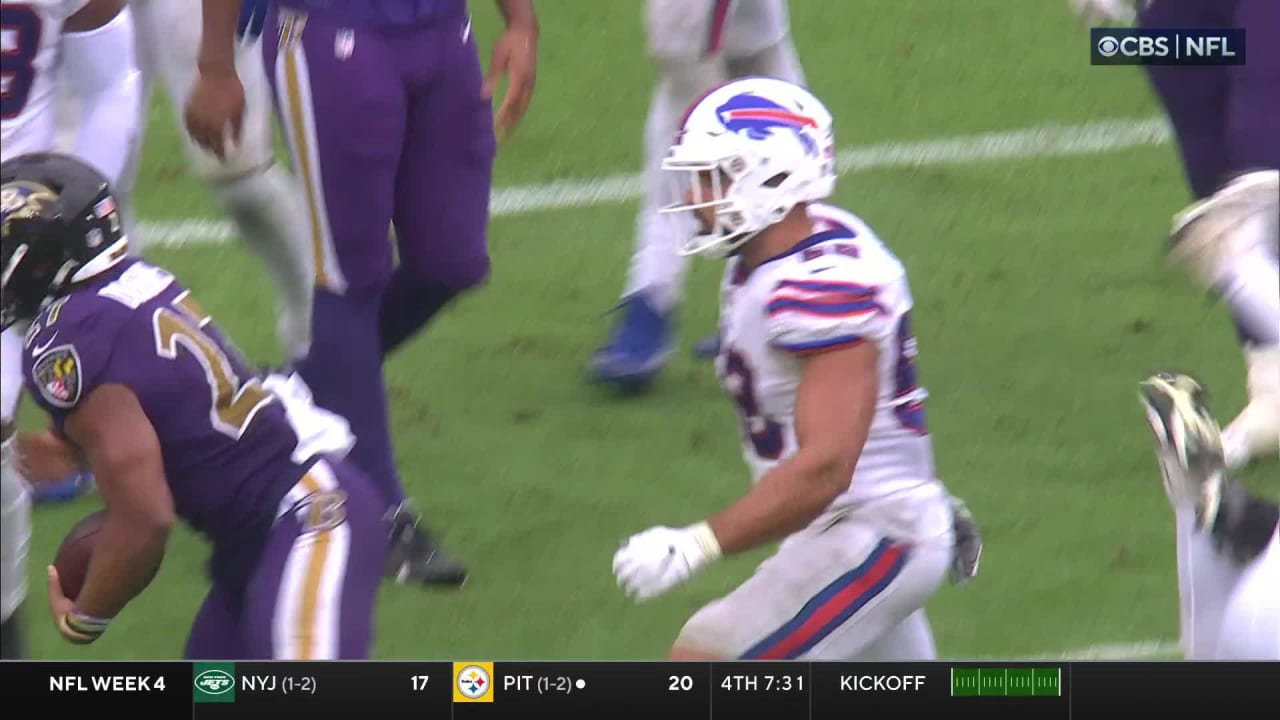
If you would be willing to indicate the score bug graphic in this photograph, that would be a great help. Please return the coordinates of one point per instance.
(473, 682)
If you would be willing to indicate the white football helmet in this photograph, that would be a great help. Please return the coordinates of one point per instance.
(774, 143)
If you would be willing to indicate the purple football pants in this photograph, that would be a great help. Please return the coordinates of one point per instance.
(388, 129)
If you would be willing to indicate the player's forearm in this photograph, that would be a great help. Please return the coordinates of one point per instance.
(785, 500)
(517, 12)
(218, 37)
(108, 89)
(123, 563)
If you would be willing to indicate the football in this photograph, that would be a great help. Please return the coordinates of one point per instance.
(72, 559)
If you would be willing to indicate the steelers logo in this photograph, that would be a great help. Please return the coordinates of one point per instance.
(473, 682)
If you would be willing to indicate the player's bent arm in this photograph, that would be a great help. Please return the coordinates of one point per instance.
(220, 19)
(98, 51)
(835, 404)
(518, 12)
(121, 446)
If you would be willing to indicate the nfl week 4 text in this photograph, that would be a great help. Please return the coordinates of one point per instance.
(93, 682)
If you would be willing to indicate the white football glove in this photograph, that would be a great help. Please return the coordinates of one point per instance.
(1098, 12)
(660, 558)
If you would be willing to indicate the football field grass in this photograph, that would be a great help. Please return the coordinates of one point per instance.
(1042, 295)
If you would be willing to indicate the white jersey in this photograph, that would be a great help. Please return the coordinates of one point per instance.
(32, 37)
(840, 287)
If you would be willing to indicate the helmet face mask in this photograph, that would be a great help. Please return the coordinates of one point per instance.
(747, 153)
(60, 226)
(706, 188)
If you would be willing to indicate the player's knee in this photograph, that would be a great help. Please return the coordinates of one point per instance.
(679, 652)
(705, 636)
(1210, 232)
(458, 276)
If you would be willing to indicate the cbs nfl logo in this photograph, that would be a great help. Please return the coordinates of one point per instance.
(473, 682)
(1167, 46)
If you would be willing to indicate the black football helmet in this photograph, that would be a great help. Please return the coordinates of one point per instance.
(61, 226)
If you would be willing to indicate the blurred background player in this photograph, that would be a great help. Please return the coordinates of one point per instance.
(141, 383)
(261, 197)
(1226, 120)
(1228, 541)
(89, 45)
(389, 120)
(819, 358)
(696, 45)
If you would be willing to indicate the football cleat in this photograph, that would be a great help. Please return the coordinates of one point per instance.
(1189, 442)
(637, 350)
(414, 556)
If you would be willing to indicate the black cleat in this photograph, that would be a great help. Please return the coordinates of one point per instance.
(414, 556)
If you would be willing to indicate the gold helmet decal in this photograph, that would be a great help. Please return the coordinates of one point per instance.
(23, 199)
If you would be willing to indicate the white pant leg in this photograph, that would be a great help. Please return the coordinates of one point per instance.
(833, 593)
(1251, 620)
(11, 371)
(656, 267)
(1206, 580)
(15, 532)
(910, 641)
(169, 34)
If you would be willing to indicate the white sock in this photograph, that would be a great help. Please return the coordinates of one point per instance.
(267, 208)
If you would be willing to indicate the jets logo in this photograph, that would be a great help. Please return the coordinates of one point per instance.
(214, 682)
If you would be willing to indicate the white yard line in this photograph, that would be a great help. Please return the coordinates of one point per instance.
(1042, 141)
(1149, 650)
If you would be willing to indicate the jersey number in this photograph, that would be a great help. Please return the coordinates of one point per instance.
(906, 392)
(21, 42)
(235, 402)
(765, 435)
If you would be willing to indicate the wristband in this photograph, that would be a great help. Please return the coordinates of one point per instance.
(706, 539)
(80, 628)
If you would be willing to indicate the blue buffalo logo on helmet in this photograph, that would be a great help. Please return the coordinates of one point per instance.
(758, 118)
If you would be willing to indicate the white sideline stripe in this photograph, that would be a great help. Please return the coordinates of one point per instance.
(1041, 141)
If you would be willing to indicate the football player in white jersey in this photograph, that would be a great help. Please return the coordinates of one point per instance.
(261, 197)
(695, 44)
(1228, 540)
(818, 355)
(88, 44)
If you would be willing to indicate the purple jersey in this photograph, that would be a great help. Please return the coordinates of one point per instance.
(380, 13)
(226, 443)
